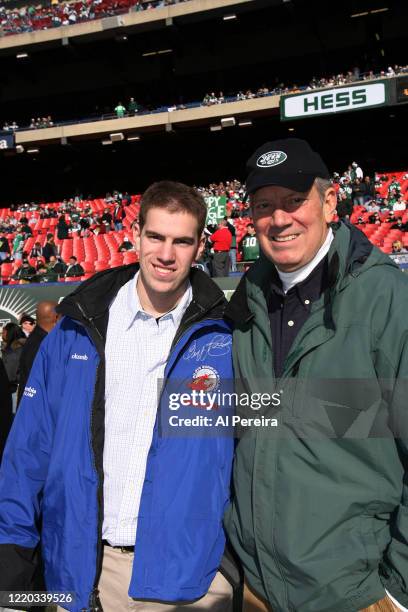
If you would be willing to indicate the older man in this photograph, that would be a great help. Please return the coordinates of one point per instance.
(320, 515)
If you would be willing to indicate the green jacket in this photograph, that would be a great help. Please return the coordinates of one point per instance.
(319, 517)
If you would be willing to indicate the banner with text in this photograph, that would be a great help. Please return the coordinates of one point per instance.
(216, 208)
(336, 100)
(7, 140)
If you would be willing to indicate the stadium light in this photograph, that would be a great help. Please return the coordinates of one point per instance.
(291, 129)
(359, 14)
(106, 142)
(132, 138)
(229, 17)
(160, 52)
(20, 149)
(245, 123)
(31, 151)
(380, 10)
(215, 128)
(228, 122)
(116, 136)
(21, 55)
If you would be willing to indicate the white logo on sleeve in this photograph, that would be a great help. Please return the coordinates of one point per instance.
(29, 391)
(79, 357)
(271, 158)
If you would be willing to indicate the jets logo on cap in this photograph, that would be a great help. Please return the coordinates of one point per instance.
(271, 158)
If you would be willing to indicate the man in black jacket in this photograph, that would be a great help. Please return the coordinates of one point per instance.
(46, 319)
(74, 268)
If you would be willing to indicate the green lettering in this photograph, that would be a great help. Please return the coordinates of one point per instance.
(327, 101)
(313, 103)
(359, 96)
(342, 99)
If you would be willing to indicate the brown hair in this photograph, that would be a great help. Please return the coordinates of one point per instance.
(174, 197)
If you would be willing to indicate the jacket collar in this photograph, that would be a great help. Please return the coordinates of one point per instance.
(90, 302)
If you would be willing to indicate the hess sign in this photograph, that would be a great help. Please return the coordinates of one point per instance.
(339, 99)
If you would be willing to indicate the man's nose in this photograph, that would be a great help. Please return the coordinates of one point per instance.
(280, 218)
(166, 252)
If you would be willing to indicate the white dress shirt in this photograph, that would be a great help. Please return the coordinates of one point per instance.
(137, 350)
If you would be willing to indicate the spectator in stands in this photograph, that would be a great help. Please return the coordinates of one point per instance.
(374, 219)
(127, 200)
(246, 211)
(18, 246)
(25, 272)
(249, 246)
(120, 110)
(46, 318)
(74, 268)
(403, 227)
(397, 247)
(221, 240)
(358, 193)
(50, 248)
(62, 228)
(293, 313)
(107, 219)
(132, 107)
(36, 251)
(45, 275)
(367, 187)
(391, 218)
(12, 346)
(4, 246)
(399, 203)
(25, 228)
(56, 265)
(126, 245)
(118, 216)
(344, 205)
(394, 187)
(6, 407)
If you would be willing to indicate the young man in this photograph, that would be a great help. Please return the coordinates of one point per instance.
(129, 519)
(320, 515)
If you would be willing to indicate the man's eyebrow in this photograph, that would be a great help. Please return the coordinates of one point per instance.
(188, 239)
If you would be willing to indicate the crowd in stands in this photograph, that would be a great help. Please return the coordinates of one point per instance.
(76, 237)
(39, 17)
(35, 124)
(132, 108)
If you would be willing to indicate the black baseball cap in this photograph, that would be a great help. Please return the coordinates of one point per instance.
(290, 162)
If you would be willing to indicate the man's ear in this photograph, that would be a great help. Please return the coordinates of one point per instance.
(136, 235)
(330, 204)
(201, 246)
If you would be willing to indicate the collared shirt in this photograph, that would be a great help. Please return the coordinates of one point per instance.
(137, 350)
(289, 311)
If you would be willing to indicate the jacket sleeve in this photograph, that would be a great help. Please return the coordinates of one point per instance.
(394, 567)
(22, 475)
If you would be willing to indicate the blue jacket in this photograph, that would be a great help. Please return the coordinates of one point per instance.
(52, 471)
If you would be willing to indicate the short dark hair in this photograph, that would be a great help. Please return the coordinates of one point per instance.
(174, 197)
(73, 257)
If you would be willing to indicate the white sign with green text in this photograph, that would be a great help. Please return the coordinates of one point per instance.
(336, 100)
